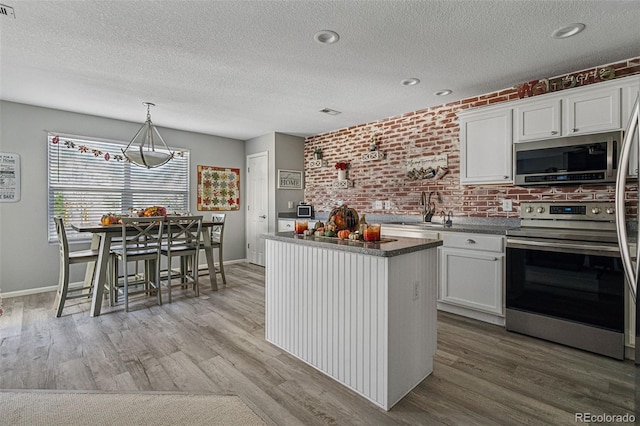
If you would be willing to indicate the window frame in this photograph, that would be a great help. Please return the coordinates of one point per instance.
(121, 189)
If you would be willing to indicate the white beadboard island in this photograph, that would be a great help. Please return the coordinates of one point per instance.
(362, 313)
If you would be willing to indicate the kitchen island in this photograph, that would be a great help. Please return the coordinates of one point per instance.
(362, 313)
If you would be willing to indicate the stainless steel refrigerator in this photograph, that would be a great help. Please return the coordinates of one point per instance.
(630, 263)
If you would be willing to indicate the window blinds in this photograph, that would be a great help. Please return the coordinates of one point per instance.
(83, 185)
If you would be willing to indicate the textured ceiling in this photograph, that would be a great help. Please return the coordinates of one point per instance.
(242, 69)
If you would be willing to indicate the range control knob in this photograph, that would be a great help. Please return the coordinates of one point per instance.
(596, 210)
(529, 209)
(610, 210)
(540, 209)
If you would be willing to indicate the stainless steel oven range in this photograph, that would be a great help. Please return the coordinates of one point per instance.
(564, 276)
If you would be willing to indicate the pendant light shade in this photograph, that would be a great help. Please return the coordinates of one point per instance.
(141, 151)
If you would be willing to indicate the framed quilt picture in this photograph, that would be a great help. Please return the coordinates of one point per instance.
(218, 188)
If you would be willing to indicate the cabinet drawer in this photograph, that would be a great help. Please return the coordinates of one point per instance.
(473, 241)
(286, 225)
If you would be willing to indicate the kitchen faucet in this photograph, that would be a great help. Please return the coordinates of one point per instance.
(428, 207)
(446, 218)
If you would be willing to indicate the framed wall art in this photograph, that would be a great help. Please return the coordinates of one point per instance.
(9, 177)
(289, 179)
(218, 188)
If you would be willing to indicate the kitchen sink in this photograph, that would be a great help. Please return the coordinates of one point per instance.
(419, 224)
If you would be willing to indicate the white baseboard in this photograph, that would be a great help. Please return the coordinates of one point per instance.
(27, 292)
(203, 266)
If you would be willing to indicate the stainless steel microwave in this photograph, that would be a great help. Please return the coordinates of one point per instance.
(304, 210)
(572, 160)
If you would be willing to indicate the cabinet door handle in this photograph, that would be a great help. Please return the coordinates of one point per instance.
(506, 177)
(553, 132)
(470, 241)
(263, 216)
(574, 130)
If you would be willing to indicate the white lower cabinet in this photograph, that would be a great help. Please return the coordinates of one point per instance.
(285, 225)
(471, 276)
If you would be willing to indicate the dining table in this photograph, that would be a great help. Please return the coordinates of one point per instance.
(101, 241)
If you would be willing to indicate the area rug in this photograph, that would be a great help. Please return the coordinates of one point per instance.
(75, 408)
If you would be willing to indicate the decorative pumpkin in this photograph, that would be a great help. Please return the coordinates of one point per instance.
(344, 217)
(318, 225)
(344, 234)
(109, 219)
(329, 233)
(308, 232)
(354, 236)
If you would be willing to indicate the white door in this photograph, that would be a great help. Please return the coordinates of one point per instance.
(257, 206)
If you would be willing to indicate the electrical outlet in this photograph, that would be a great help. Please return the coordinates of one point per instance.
(378, 205)
(507, 205)
(387, 205)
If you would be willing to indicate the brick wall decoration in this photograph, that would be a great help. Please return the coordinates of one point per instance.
(420, 134)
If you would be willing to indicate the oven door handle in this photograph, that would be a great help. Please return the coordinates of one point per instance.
(564, 247)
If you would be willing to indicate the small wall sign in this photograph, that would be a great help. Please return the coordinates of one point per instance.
(9, 177)
(289, 179)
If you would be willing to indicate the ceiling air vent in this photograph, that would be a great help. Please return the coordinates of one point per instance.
(329, 111)
(7, 11)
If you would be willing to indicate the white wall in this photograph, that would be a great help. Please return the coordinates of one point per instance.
(27, 260)
(289, 156)
(285, 152)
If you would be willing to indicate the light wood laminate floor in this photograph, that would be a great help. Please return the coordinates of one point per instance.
(483, 375)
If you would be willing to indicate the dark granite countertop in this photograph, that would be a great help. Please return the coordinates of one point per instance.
(456, 227)
(389, 247)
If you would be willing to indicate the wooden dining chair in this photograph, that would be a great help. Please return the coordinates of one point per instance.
(68, 258)
(183, 241)
(141, 241)
(217, 238)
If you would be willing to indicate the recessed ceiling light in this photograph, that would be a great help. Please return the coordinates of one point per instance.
(410, 81)
(443, 92)
(326, 37)
(330, 111)
(568, 31)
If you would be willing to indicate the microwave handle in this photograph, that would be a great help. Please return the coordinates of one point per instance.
(610, 155)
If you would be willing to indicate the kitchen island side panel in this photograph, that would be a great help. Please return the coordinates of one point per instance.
(330, 308)
(412, 324)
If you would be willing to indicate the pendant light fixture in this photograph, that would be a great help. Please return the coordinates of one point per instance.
(141, 151)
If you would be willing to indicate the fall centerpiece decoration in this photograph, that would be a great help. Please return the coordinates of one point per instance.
(152, 211)
(343, 217)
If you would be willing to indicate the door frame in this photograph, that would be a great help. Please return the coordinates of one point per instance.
(248, 237)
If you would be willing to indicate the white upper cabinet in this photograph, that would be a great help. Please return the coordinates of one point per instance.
(537, 120)
(591, 111)
(485, 147)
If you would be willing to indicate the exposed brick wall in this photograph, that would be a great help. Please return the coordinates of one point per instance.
(420, 134)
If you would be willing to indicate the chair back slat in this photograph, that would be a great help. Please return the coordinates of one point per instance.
(217, 230)
(62, 237)
(183, 231)
(142, 233)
